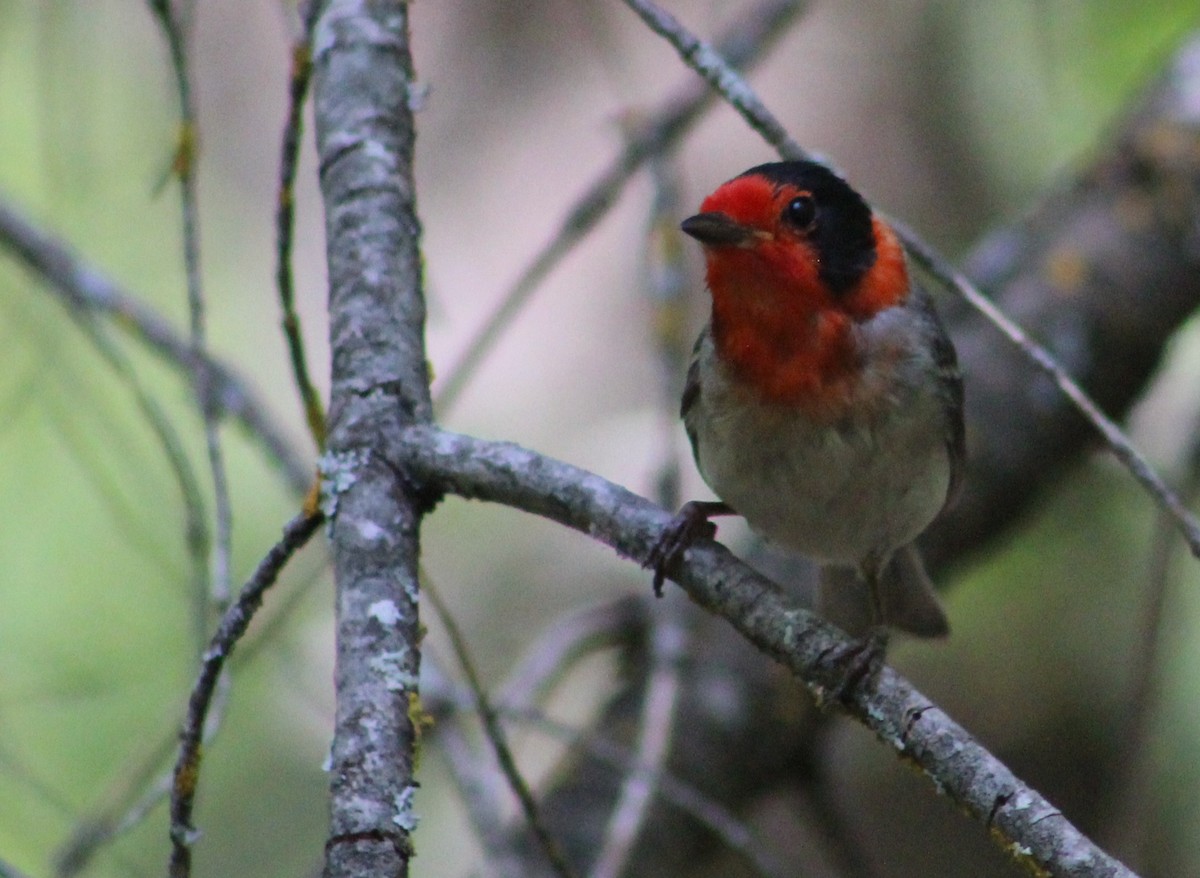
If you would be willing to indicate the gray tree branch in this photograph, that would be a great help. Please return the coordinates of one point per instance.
(920, 732)
(362, 83)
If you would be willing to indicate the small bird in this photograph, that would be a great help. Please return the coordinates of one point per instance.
(823, 401)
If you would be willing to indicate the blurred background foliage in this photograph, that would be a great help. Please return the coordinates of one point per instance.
(953, 115)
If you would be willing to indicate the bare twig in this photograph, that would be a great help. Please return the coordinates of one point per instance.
(285, 216)
(666, 286)
(15, 769)
(196, 535)
(734, 833)
(442, 698)
(744, 44)
(1017, 816)
(84, 289)
(1120, 444)
(233, 625)
(494, 732)
(653, 747)
(184, 168)
(1128, 821)
(143, 785)
(706, 61)
(710, 62)
(570, 638)
(480, 788)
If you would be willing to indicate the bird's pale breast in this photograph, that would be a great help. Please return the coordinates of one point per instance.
(867, 481)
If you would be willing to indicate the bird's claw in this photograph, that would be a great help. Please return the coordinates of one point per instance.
(689, 524)
(855, 663)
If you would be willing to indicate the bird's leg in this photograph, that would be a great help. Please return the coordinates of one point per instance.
(690, 523)
(862, 659)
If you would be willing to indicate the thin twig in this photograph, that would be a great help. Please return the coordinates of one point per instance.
(666, 286)
(233, 625)
(743, 45)
(706, 61)
(14, 768)
(1128, 821)
(569, 639)
(555, 652)
(285, 220)
(184, 169)
(142, 786)
(710, 813)
(146, 784)
(1120, 444)
(494, 732)
(444, 699)
(80, 286)
(441, 698)
(480, 787)
(710, 62)
(196, 535)
(660, 699)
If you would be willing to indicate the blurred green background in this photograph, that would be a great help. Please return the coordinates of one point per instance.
(951, 115)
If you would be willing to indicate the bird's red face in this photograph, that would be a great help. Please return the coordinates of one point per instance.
(795, 258)
(763, 258)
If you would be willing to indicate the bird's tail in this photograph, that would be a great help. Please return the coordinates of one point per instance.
(909, 600)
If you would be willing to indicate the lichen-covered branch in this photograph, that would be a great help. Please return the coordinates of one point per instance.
(362, 82)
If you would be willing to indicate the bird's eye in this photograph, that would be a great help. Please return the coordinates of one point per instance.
(801, 212)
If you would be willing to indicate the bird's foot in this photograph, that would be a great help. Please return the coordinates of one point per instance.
(855, 663)
(689, 524)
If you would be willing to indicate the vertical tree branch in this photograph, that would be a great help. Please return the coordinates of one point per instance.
(363, 74)
(285, 222)
(184, 169)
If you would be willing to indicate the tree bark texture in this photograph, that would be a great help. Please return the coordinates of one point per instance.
(362, 84)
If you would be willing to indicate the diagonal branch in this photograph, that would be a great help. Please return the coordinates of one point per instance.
(233, 625)
(656, 729)
(85, 290)
(498, 738)
(1016, 815)
(742, 46)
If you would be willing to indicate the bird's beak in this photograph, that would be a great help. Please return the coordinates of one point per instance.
(719, 229)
